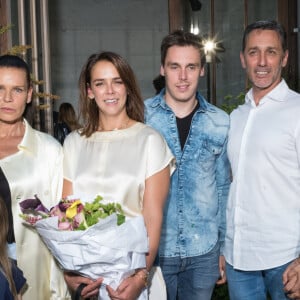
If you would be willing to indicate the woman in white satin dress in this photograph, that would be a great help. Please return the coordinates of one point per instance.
(117, 156)
(30, 163)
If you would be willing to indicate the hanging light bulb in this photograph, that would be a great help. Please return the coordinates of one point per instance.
(209, 49)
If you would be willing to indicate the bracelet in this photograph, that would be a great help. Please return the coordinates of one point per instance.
(79, 290)
(143, 276)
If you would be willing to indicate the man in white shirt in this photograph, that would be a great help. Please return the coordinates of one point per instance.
(263, 210)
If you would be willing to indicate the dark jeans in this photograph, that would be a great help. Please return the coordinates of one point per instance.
(191, 278)
(254, 285)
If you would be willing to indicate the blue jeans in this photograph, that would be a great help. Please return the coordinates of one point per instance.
(254, 285)
(191, 278)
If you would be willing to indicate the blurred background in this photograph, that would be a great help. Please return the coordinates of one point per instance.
(61, 34)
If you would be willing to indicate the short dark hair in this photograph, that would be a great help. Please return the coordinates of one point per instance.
(159, 83)
(266, 25)
(181, 38)
(14, 61)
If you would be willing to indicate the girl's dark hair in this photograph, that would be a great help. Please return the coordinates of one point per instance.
(5, 262)
(182, 38)
(266, 25)
(89, 111)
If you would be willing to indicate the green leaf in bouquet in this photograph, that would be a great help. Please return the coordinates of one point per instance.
(103, 215)
(121, 219)
(92, 219)
(98, 210)
(81, 226)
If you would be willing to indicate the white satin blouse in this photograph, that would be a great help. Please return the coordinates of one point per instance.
(36, 169)
(115, 164)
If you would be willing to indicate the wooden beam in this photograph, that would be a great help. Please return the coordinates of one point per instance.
(214, 64)
(176, 8)
(3, 22)
(287, 16)
(46, 64)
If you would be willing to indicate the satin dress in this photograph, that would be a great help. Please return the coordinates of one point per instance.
(115, 165)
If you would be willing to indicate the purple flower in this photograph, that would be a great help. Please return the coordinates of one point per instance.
(33, 205)
(33, 210)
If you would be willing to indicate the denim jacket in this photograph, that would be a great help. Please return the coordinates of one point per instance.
(194, 214)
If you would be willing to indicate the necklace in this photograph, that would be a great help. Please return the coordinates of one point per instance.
(123, 126)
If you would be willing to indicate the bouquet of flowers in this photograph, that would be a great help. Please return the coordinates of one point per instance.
(91, 239)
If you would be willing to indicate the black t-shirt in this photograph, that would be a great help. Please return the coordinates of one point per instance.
(184, 124)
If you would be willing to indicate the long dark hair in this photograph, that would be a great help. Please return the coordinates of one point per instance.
(5, 262)
(89, 111)
(67, 115)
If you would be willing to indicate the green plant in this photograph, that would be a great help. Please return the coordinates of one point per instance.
(230, 102)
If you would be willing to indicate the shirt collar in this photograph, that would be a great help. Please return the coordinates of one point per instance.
(29, 142)
(276, 94)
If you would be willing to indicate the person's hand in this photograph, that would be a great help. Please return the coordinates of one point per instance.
(222, 278)
(129, 289)
(291, 280)
(92, 286)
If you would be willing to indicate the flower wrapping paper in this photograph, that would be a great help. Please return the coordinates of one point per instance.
(103, 250)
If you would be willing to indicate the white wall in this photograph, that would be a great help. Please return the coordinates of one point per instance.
(79, 28)
(134, 29)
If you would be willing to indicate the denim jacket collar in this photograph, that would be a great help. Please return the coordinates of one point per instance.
(159, 99)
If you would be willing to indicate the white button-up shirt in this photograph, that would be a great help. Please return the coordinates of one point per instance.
(263, 210)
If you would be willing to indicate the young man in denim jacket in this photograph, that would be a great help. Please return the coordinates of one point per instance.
(196, 132)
